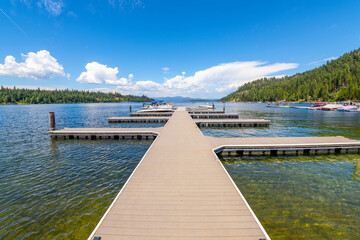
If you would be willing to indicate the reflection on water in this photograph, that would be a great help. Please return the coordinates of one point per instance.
(302, 197)
(60, 189)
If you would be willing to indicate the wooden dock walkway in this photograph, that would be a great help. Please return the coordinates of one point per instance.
(284, 145)
(180, 190)
(106, 133)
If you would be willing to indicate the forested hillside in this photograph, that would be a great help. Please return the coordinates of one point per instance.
(13, 95)
(337, 80)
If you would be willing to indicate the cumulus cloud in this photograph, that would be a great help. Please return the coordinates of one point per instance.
(102, 74)
(225, 77)
(212, 82)
(39, 66)
(54, 7)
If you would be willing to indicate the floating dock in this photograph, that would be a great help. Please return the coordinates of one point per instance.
(105, 133)
(138, 119)
(180, 189)
(284, 145)
(216, 123)
(215, 116)
(203, 111)
(200, 122)
(151, 114)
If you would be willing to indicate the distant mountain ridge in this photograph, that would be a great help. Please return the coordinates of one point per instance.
(337, 80)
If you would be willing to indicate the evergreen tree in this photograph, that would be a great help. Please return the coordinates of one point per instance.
(337, 80)
(14, 95)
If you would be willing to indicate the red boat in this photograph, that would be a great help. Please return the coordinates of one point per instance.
(316, 106)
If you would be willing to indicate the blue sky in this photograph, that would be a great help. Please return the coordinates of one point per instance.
(168, 48)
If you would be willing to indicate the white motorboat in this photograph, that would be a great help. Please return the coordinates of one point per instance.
(207, 106)
(156, 110)
(331, 107)
(349, 108)
(155, 107)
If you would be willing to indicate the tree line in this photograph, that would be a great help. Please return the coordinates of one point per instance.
(28, 96)
(337, 80)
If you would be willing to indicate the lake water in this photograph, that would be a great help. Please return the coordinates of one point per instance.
(60, 189)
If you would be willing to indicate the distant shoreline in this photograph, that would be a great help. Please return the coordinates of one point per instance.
(308, 102)
(63, 103)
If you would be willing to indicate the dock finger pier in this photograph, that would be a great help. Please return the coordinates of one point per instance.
(180, 189)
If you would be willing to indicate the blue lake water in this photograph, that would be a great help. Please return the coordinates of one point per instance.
(60, 189)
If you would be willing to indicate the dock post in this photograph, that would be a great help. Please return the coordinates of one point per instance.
(52, 121)
(130, 109)
(224, 107)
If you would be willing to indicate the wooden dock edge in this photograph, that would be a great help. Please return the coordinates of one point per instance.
(287, 149)
(93, 135)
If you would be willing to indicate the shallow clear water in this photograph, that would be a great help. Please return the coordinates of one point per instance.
(60, 189)
(302, 197)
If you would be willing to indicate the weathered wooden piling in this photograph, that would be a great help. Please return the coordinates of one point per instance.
(52, 121)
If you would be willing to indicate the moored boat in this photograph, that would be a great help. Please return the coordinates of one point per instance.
(316, 106)
(207, 106)
(158, 107)
(349, 108)
(331, 107)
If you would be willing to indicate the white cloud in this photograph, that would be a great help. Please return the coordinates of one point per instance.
(212, 82)
(322, 61)
(39, 66)
(165, 69)
(102, 74)
(104, 90)
(33, 87)
(224, 77)
(131, 76)
(54, 7)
